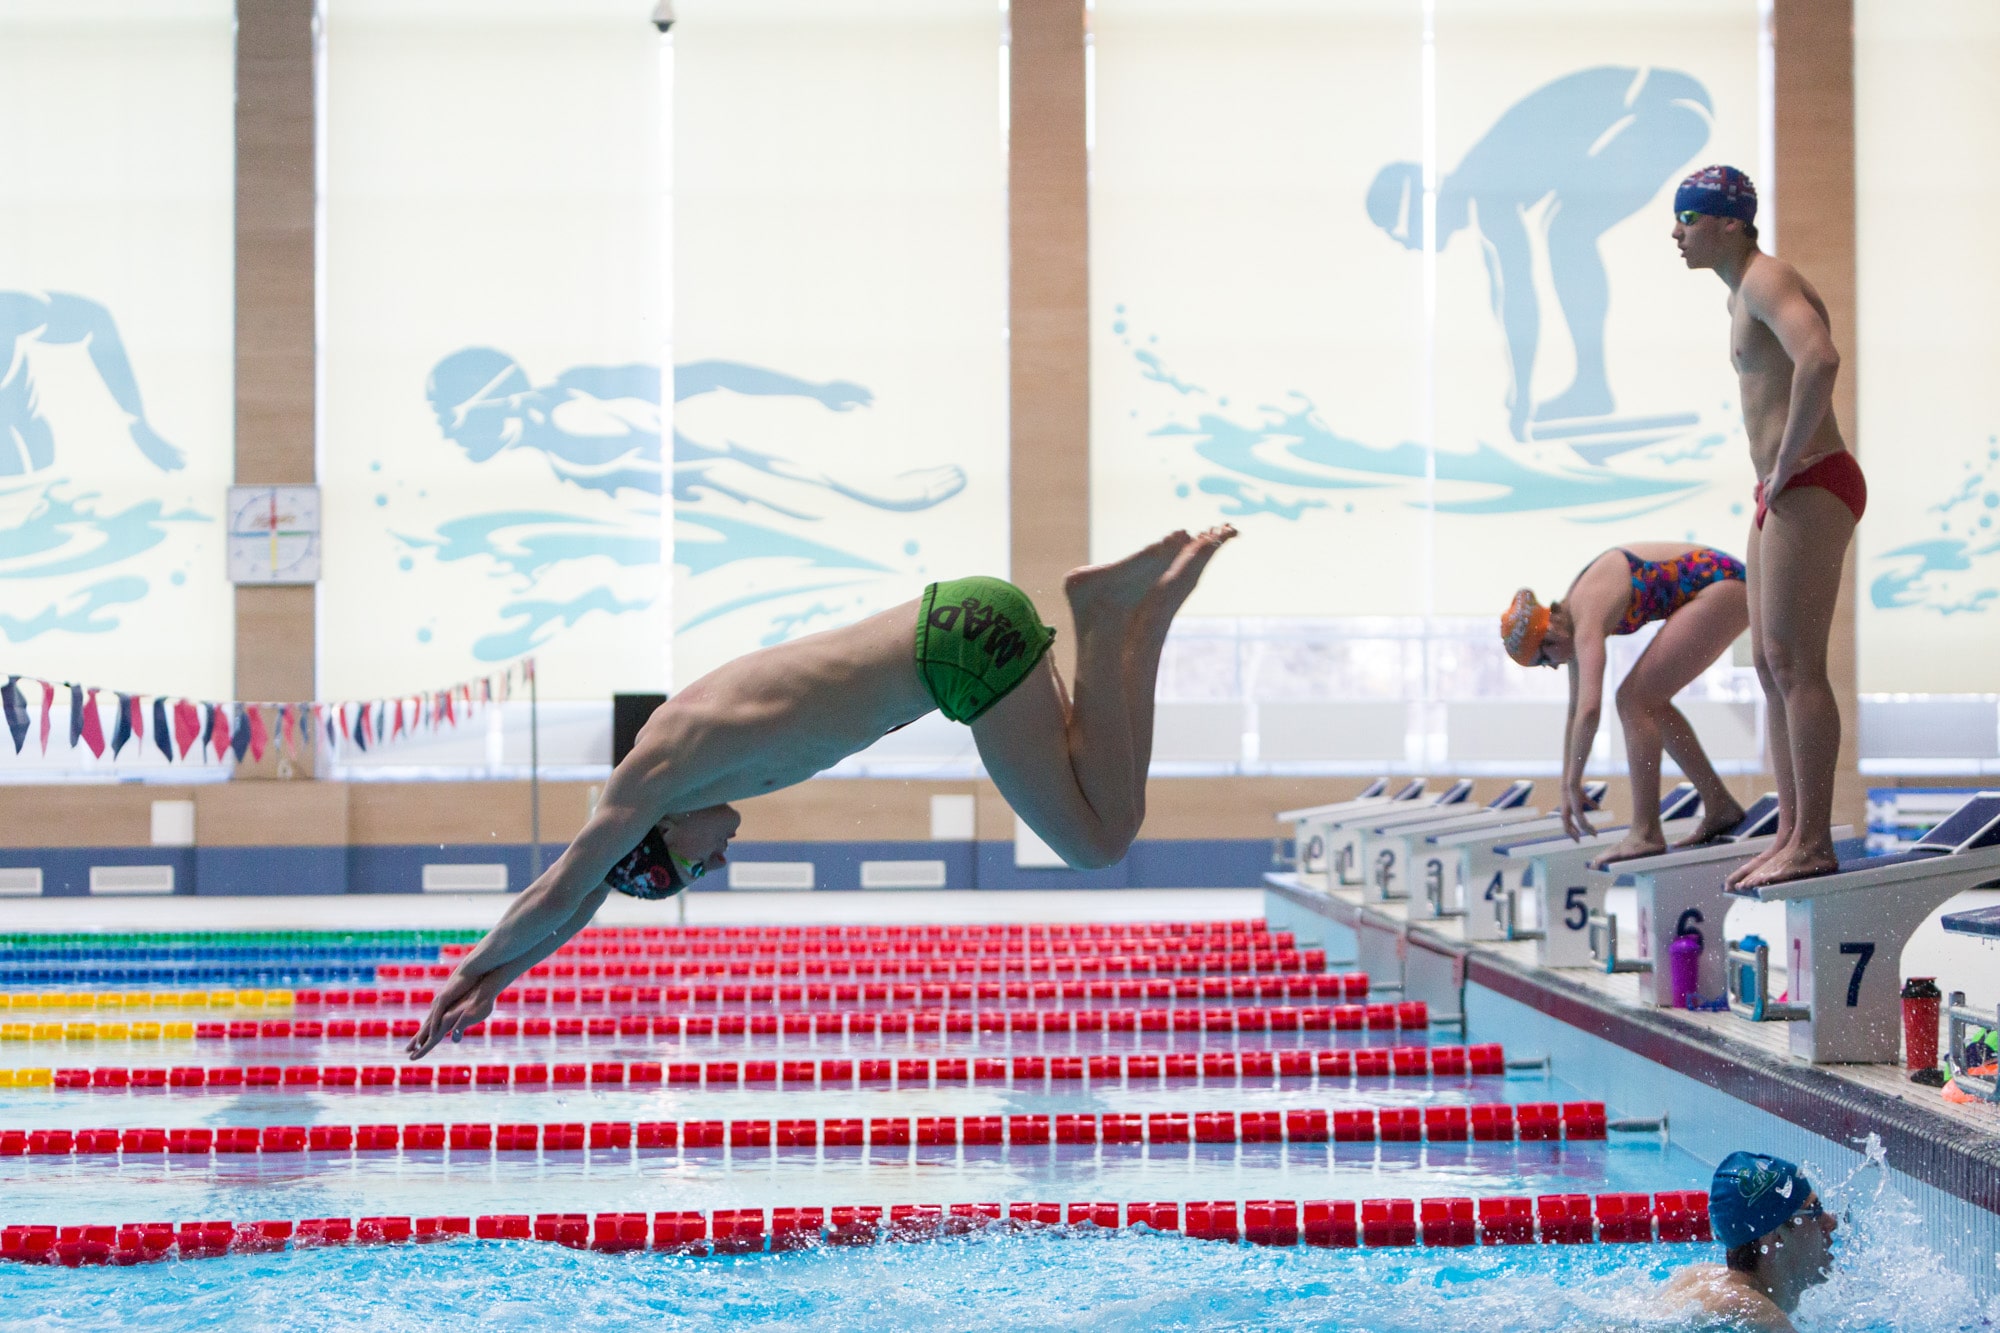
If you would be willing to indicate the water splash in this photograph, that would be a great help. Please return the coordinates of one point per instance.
(1240, 500)
(57, 534)
(1948, 574)
(77, 613)
(538, 619)
(1115, 1281)
(1885, 1279)
(49, 531)
(1292, 446)
(527, 543)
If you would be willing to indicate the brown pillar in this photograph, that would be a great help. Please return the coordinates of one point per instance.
(1048, 302)
(275, 279)
(1813, 41)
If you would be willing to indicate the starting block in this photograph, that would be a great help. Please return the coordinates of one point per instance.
(1680, 892)
(1844, 1006)
(1565, 888)
(1310, 825)
(1346, 835)
(1385, 847)
(1486, 876)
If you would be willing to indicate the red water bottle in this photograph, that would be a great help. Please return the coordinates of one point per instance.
(1920, 1022)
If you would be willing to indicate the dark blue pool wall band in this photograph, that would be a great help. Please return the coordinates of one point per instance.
(247, 871)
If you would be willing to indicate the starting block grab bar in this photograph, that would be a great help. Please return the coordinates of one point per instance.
(1959, 1020)
(1750, 986)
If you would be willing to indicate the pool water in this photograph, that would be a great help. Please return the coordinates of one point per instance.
(1055, 1279)
(1110, 1281)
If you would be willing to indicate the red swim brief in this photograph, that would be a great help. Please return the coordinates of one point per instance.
(1837, 474)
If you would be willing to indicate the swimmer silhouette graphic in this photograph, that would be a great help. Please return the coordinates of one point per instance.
(1596, 145)
(56, 531)
(27, 441)
(599, 429)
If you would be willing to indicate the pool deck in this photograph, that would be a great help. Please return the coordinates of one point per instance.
(1954, 1147)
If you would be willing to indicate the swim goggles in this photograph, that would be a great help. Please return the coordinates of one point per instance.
(1813, 1209)
(652, 870)
(1687, 217)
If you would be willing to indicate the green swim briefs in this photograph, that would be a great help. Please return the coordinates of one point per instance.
(977, 639)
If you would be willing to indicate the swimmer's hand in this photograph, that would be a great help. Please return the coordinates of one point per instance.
(1575, 816)
(463, 1002)
(1774, 485)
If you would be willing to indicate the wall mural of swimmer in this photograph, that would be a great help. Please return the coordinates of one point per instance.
(72, 426)
(1545, 180)
(1595, 147)
(766, 545)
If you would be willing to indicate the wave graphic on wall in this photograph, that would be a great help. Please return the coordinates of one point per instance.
(1952, 573)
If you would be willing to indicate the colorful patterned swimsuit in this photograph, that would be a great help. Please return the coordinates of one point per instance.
(1662, 587)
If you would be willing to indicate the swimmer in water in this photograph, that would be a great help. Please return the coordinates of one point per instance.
(1810, 494)
(1074, 767)
(1777, 1242)
(1698, 592)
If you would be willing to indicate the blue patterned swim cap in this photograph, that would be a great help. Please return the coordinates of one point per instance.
(1753, 1195)
(1721, 192)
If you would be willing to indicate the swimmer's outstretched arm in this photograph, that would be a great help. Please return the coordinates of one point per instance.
(553, 908)
(468, 998)
(1586, 707)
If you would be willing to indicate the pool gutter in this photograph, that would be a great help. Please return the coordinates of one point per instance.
(1928, 1146)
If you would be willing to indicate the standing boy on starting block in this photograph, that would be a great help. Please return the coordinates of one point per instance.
(1810, 494)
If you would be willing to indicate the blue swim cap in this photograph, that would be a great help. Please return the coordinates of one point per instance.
(1722, 192)
(1752, 1195)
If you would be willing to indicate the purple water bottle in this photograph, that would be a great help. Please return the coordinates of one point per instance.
(1684, 957)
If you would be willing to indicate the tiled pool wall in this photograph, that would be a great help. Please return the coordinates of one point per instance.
(1705, 1121)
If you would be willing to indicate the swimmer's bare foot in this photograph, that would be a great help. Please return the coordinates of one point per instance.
(1118, 587)
(1795, 863)
(1756, 863)
(1180, 578)
(1633, 846)
(1715, 821)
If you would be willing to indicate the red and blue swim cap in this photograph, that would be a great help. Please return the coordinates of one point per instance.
(1719, 191)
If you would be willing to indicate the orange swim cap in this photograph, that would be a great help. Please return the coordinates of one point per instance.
(1523, 625)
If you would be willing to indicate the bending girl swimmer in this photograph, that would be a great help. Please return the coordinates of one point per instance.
(1700, 595)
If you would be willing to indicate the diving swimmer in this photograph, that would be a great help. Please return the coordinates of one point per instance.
(1072, 765)
(1777, 1242)
(1809, 496)
(1698, 593)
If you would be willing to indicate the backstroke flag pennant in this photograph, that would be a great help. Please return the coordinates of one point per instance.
(259, 737)
(247, 728)
(121, 730)
(93, 727)
(187, 726)
(17, 711)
